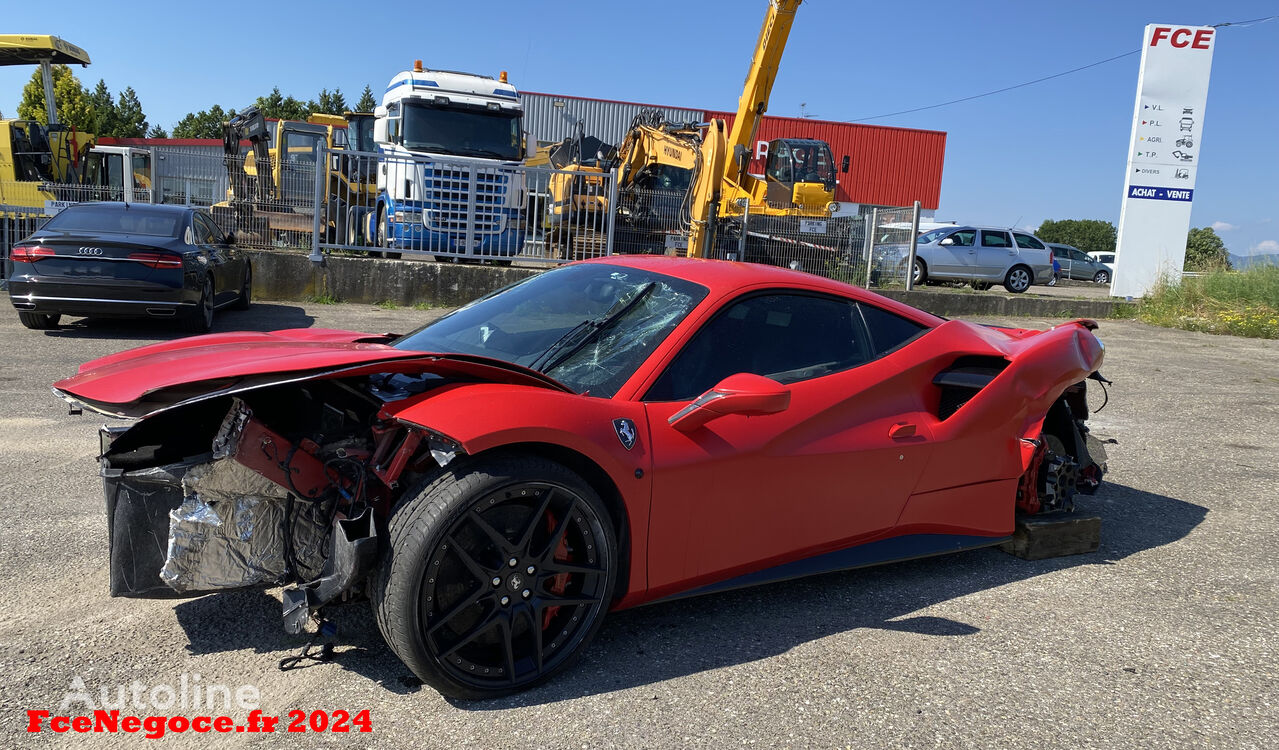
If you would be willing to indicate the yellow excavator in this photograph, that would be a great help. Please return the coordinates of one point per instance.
(271, 192)
(35, 159)
(677, 178)
(799, 179)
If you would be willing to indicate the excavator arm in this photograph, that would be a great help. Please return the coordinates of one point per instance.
(250, 125)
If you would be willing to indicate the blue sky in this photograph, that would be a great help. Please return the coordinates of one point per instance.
(1054, 150)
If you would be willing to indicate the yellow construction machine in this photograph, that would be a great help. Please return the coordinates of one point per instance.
(38, 161)
(685, 179)
(799, 179)
(271, 189)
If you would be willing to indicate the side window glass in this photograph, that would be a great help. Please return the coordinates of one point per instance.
(1028, 242)
(204, 234)
(888, 330)
(786, 337)
(964, 237)
(995, 239)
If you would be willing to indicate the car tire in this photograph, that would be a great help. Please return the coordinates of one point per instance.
(200, 320)
(39, 321)
(920, 272)
(434, 596)
(1019, 279)
(1101, 277)
(246, 290)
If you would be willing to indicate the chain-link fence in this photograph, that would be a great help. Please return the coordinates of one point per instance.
(889, 247)
(326, 200)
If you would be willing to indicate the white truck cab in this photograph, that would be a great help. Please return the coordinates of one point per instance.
(119, 173)
(466, 197)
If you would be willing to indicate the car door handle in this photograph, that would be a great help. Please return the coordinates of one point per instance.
(901, 430)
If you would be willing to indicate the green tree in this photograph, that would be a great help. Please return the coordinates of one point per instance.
(74, 106)
(281, 107)
(157, 132)
(1089, 235)
(103, 109)
(366, 103)
(207, 123)
(330, 103)
(1205, 251)
(130, 120)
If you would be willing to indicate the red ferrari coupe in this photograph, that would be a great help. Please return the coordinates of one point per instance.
(607, 434)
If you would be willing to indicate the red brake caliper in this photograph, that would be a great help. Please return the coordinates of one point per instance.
(560, 582)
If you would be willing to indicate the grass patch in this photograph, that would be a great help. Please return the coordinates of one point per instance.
(424, 306)
(1244, 303)
(322, 299)
(386, 304)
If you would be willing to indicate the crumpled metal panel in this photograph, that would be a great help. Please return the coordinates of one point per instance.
(229, 531)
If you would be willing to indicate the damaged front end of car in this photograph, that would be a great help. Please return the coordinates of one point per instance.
(258, 479)
(280, 485)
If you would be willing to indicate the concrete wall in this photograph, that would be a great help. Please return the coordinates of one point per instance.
(291, 276)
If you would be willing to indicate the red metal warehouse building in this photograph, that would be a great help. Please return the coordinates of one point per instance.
(887, 166)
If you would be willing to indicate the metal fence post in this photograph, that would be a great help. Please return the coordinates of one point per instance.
(321, 178)
(472, 187)
(611, 214)
(914, 236)
(870, 243)
(746, 223)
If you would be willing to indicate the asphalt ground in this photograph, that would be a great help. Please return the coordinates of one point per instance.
(1165, 637)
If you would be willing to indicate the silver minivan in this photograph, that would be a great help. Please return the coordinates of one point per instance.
(981, 255)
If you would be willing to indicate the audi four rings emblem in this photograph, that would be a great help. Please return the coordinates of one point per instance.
(89, 250)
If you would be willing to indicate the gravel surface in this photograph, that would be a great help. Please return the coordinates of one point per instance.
(1165, 637)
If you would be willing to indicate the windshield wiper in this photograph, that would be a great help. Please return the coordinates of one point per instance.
(573, 341)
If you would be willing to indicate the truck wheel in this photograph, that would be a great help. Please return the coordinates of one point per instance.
(496, 576)
(39, 321)
(1019, 279)
(381, 237)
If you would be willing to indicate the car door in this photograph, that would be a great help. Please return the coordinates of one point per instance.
(212, 244)
(741, 493)
(1084, 267)
(951, 258)
(995, 255)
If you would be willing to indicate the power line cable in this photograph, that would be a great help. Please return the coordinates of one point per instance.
(1045, 78)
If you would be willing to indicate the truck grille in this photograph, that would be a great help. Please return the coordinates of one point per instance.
(446, 190)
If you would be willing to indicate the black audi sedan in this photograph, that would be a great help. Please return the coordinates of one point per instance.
(128, 260)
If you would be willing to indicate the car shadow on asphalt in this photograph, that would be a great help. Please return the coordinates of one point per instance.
(674, 639)
(262, 316)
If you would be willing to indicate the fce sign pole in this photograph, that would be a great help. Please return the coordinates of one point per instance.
(1163, 156)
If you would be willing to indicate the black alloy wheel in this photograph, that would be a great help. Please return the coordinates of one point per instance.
(497, 575)
(200, 320)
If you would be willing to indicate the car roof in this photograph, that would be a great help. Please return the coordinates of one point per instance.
(724, 278)
(151, 208)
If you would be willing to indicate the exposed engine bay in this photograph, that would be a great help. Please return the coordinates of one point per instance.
(278, 485)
